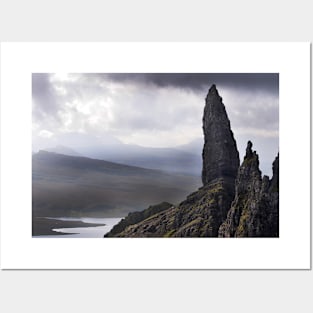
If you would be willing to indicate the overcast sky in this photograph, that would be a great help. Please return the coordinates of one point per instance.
(153, 110)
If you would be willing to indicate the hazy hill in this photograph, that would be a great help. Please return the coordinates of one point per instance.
(78, 186)
(166, 159)
(63, 150)
(184, 159)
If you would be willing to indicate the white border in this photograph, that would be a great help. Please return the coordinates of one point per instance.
(290, 251)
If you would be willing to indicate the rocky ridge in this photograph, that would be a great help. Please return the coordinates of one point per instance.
(233, 202)
(254, 211)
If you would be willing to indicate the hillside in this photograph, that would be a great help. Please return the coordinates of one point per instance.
(182, 159)
(65, 185)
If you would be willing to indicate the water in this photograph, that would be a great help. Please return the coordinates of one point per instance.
(85, 232)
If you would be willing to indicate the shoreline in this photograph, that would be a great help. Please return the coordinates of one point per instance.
(42, 226)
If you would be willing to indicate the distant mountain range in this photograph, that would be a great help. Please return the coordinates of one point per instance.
(65, 185)
(185, 159)
(63, 150)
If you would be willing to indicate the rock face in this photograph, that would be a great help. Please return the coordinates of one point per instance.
(200, 215)
(254, 211)
(232, 202)
(220, 155)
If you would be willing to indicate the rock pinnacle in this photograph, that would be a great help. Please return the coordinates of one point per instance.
(220, 155)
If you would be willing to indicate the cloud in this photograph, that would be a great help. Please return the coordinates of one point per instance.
(249, 111)
(151, 109)
(165, 109)
(265, 82)
(45, 134)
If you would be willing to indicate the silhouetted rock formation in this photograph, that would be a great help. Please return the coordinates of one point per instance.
(220, 155)
(254, 211)
(231, 203)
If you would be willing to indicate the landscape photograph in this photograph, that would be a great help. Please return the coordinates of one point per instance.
(158, 155)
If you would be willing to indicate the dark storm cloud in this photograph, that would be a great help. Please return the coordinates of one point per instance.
(264, 82)
(48, 101)
(251, 98)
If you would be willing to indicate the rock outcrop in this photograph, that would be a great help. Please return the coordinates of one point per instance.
(200, 215)
(254, 211)
(136, 217)
(232, 202)
(220, 155)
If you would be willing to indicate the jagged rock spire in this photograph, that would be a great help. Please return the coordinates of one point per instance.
(254, 211)
(220, 155)
(249, 149)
